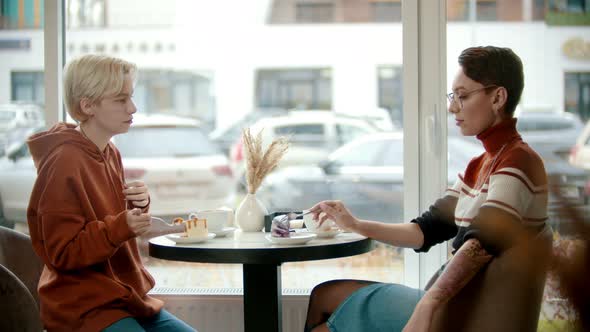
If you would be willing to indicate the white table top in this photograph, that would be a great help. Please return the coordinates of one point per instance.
(254, 248)
(257, 240)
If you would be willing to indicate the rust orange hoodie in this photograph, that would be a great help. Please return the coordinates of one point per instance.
(93, 275)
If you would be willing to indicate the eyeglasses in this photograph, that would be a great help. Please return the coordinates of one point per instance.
(453, 97)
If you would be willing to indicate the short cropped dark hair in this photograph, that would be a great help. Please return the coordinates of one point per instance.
(490, 65)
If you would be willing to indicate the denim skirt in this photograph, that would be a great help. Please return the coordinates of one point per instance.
(377, 307)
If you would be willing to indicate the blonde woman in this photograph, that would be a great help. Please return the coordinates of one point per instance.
(84, 219)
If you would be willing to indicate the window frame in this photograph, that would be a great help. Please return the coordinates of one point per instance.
(424, 105)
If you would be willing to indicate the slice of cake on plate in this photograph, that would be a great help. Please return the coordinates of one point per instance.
(194, 227)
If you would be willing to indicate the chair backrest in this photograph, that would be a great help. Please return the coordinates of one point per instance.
(18, 308)
(18, 256)
(504, 296)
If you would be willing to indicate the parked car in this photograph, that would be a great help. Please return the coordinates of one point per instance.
(17, 176)
(376, 117)
(17, 118)
(312, 134)
(579, 157)
(20, 115)
(183, 169)
(580, 153)
(550, 131)
(367, 174)
(553, 136)
(226, 137)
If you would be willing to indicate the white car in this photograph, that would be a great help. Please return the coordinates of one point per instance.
(173, 156)
(14, 116)
(367, 174)
(16, 119)
(312, 134)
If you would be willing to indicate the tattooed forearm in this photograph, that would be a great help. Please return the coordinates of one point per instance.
(468, 260)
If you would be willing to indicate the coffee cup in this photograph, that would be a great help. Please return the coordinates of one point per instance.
(216, 219)
(313, 225)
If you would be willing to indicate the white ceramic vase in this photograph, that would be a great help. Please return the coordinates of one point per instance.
(250, 214)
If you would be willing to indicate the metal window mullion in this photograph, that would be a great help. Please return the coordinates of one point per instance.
(425, 162)
(410, 76)
(54, 38)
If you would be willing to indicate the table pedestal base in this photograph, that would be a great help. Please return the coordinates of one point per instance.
(262, 298)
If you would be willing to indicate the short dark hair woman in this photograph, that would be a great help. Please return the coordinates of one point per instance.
(505, 187)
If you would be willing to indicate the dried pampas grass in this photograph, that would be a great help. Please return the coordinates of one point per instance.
(258, 163)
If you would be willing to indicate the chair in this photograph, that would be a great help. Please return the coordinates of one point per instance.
(504, 296)
(17, 255)
(18, 308)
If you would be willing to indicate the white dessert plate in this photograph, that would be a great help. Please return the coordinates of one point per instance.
(182, 238)
(295, 238)
(328, 234)
(224, 231)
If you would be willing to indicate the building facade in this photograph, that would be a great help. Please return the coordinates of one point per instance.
(205, 60)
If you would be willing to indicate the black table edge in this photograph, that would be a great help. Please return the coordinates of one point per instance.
(276, 255)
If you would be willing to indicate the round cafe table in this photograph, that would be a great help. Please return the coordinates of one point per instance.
(261, 262)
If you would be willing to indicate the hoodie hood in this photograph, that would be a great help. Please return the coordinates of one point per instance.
(42, 144)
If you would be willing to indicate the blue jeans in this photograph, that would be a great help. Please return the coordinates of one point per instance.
(162, 321)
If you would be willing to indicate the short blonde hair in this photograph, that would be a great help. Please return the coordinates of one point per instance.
(94, 77)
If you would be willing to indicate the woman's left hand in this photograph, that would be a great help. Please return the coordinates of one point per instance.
(137, 193)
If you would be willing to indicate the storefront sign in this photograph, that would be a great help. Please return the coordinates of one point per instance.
(576, 48)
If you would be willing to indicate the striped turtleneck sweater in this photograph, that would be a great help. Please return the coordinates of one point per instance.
(509, 176)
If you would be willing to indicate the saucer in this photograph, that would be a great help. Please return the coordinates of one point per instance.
(182, 238)
(328, 234)
(224, 231)
(296, 238)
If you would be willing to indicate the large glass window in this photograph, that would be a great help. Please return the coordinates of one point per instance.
(181, 92)
(23, 14)
(555, 101)
(294, 88)
(539, 9)
(86, 13)
(570, 6)
(22, 99)
(386, 11)
(309, 84)
(27, 87)
(577, 94)
(335, 11)
(319, 12)
(390, 91)
(489, 10)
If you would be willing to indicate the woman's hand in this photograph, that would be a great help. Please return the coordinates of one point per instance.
(336, 211)
(139, 223)
(137, 193)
